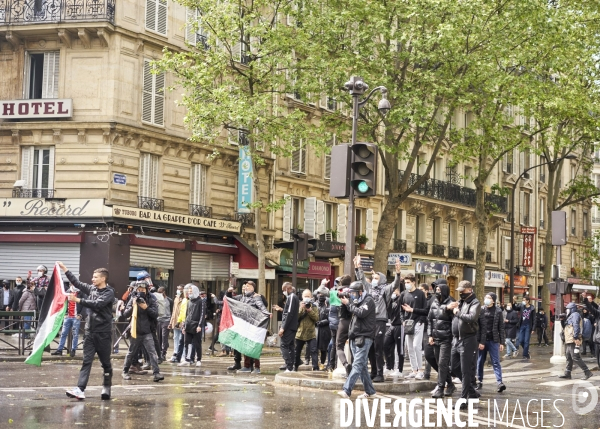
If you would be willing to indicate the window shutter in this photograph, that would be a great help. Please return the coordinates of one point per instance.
(522, 207)
(153, 176)
(198, 185)
(369, 229)
(330, 144)
(50, 75)
(298, 160)
(341, 223)
(159, 98)
(310, 216)
(233, 136)
(151, 14)
(505, 162)
(542, 209)
(26, 165)
(320, 217)
(143, 175)
(531, 209)
(303, 161)
(191, 19)
(236, 51)
(287, 218)
(147, 93)
(51, 169)
(161, 19)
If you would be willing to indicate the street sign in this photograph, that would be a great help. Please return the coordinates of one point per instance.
(367, 264)
(405, 258)
(528, 250)
(528, 230)
(234, 268)
(562, 271)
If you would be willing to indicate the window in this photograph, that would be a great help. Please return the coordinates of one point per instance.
(542, 213)
(330, 144)
(507, 162)
(194, 33)
(573, 222)
(437, 230)
(329, 217)
(452, 233)
(41, 75)
(237, 137)
(467, 235)
(468, 177)
(526, 209)
(296, 213)
(299, 159)
(198, 185)
(585, 224)
(156, 16)
(37, 170)
(153, 96)
(358, 222)
(421, 229)
(148, 180)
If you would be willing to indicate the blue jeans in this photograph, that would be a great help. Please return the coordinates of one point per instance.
(494, 349)
(510, 347)
(359, 368)
(68, 324)
(523, 339)
(176, 339)
(26, 324)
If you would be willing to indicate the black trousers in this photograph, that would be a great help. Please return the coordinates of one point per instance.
(464, 355)
(288, 348)
(541, 334)
(394, 338)
(430, 359)
(95, 343)
(573, 357)
(311, 347)
(342, 337)
(215, 334)
(333, 355)
(163, 337)
(377, 350)
(442, 351)
(195, 339)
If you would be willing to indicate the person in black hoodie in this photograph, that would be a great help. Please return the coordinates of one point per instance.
(289, 326)
(18, 292)
(343, 325)
(541, 325)
(323, 332)
(464, 346)
(195, 317)
(394, 336)
(439, 331)
(362, 332)
(491, 339)
(98, 329)
(428, 351)
(143, 309)
(511, 325)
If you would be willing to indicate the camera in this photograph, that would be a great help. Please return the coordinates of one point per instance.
(343, 295)
(307, 303)
(138, 297)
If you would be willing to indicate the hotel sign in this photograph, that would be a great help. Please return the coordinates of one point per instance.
(176, 219)
(36, 109)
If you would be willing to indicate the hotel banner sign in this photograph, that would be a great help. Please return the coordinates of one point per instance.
(176, 219)
(36, 109)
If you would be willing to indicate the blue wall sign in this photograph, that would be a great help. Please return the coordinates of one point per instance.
(119, 179)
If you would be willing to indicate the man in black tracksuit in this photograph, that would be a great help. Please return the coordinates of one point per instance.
(195, 317)
(439, 333)
(394, 337)
(289, 326)
(465, 327)
(382, 294)
(98, 328)
(343, 326)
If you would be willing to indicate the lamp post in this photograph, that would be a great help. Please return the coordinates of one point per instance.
(357, 87)
(511, 267)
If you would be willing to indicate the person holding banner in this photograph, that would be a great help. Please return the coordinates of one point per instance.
(98, 328)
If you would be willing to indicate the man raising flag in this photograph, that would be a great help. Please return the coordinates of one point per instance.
(52, 314)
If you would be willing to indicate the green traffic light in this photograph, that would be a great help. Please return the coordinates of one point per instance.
(362, 187)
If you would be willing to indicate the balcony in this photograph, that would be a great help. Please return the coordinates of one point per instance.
(439, 250)
(246, 219)
(421, 248)
(468, 254)
(453, 252)
(24, 12)
(488, 257)
(151, 204)
(202, 211)
(33, 193)
(446, 191)
(399, 245)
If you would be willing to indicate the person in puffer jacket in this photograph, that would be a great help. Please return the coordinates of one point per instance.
(573, 329)
(491, 339)
(381, 292)
(439, 331)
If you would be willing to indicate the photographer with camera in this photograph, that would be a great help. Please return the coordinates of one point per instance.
(362, 332)
(143, 309)
(307, 317)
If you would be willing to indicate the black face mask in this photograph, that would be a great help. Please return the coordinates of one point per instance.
(464, 295)
(438, 295)
(322, 298)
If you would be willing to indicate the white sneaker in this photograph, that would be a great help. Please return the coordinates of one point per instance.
(397, 374)
(388, 372)
(365, 396)
(411, 375)
(343, 394)
(420, 376)
(199, 363)
(76, 393)
(184, 363)
(15, 335)
(287, 370)
(456, 380)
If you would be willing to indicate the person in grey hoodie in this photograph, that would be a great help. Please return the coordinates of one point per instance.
(573, 329)
(381, 292)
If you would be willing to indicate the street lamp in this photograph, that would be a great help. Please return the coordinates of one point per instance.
(357, 87)
(511, 267)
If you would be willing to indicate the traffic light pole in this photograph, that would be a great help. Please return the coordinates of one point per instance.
(295, 258)
(351, 231)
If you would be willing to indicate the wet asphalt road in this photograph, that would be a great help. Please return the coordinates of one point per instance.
(209, 397)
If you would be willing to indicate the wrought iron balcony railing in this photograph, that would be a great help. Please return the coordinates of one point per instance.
(468, 254)
(151, 204)
(488, 257)
(453, 252)
(33, 193)
(246, 219)
(446, 191)
(21, 12)
(421, 248)
(202, 211)
(399, 245)
(439, 250)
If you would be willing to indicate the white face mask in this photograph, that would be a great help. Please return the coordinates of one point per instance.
(19, 283)
(375, 283)
(285, 293)
(40, 273)
(178, 292)
(394, 295)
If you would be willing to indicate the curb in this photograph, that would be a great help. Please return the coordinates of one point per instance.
(330, 384)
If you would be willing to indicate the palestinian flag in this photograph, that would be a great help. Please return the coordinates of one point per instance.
(243, 328)
(51, 317)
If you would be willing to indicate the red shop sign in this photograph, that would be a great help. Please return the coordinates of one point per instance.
(319, 268)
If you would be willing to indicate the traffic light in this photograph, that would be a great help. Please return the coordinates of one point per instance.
(339, 176)
(302, 249)
(363, 169)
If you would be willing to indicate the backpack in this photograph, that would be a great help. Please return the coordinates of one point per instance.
(588, 329)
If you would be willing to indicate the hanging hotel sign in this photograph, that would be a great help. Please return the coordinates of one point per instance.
(36, 109)
(245, 180)
(176, 219)
(56, 208)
